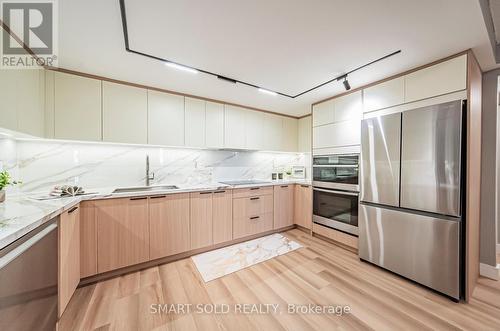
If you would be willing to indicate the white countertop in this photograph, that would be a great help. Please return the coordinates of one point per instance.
(23, 213)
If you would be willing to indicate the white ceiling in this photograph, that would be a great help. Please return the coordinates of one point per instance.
(283, 45)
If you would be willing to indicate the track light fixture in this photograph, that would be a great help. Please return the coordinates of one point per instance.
(191, 69)
(347, 86)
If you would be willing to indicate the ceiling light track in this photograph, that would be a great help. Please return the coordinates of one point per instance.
(233, 80)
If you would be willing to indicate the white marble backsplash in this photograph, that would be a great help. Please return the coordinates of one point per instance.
(43, 164)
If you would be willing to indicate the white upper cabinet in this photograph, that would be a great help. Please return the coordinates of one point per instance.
(165, 119)
(304, 135)
(214, 125)
(323, 113)
(273, 130)
(254, 130)
(289, 135)
(22, 95)
(77, 107)
(30, 111)
(441, 78)
(348, 107)
(8, 99)
(341, 134)
(124, 110)
(234, 127)
(383, 95)
(195, 121)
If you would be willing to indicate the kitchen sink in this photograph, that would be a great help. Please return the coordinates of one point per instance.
(145, 189)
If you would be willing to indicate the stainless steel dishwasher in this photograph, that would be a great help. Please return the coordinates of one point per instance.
(28, 281)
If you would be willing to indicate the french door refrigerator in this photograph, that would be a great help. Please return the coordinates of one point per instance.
(411, 213)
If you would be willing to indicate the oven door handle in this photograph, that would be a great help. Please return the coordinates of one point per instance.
(354, 194)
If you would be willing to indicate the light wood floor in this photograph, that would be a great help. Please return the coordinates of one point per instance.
(320, 274)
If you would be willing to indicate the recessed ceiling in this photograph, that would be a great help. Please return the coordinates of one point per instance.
(283, 45)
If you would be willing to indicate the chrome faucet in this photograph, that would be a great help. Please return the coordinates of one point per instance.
(149, 176)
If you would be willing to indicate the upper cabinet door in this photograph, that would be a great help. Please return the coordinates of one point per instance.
(384, 95)
(304, 135)
(214, 125)
(22, 101)
(77, 107)
(273, 127)
(430, 158)
(323, 113)
(194, 126)
(234, 127)
(165, 119)
(8, 99)
(124, 113)
(380, 159)
(289, 135)
(442, 78)
(30, 102)
(348, 107)
(254, 122)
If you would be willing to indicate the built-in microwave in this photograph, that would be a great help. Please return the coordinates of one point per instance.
(336, 171)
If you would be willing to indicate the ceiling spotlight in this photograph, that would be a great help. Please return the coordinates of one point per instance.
(347, 86)
(181, 67)
(263, 90)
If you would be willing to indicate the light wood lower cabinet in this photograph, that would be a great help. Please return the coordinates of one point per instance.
(169, 225)
(201, 219)
(222, 212)
(88, 239)
(123, 233)
(252, 211)
(116, 233)
(251, 225)
(303, 206)
(283, 206)
(69, 256)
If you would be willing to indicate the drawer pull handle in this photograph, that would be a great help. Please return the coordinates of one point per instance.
(72, 209)
(143, 198)
(254, 188)
(255, 198)
(219, 191)
(158, 196)
(284, 186)
(254, 217)
(205, 192)
(305, 186)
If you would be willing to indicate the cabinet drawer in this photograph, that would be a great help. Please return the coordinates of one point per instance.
(252, 206)
(252, 191)
(248, 226)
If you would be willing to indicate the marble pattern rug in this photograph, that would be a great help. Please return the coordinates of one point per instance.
(223, 261)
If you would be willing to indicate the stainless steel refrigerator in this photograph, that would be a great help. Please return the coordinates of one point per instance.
(411, 203)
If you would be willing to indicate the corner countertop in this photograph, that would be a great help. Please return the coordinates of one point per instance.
(23, 213)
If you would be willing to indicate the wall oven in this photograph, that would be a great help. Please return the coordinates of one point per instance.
(336, 191)
(336, 209)
(336, 171)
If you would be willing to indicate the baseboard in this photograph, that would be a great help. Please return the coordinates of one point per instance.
(489, 271)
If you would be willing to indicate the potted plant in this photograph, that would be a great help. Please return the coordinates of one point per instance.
(5, 181)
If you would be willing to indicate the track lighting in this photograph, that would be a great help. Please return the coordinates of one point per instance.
(263, 90)
(195, 70)
(347, 86)
(181, 67)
